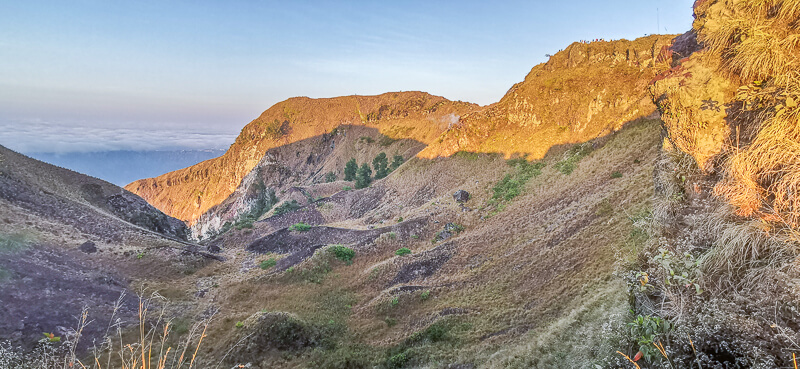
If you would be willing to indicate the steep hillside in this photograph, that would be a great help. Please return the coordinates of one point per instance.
(582, 92)
(188, 193)
(519, 275)
(69, 242)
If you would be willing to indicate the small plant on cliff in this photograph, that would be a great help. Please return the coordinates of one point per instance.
(287, 207)
(363, 176)
(300, 227)
(402, 251)
(647, 330)
(350, 170)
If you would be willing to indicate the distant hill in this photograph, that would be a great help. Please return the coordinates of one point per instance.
(125, 166)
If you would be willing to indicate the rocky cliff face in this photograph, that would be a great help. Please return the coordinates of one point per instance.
(188, 193)
(733, 104)
(582, 92)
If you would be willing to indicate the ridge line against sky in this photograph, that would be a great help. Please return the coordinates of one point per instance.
(100, 75)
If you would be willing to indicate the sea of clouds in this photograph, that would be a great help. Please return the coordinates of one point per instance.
(43, 136)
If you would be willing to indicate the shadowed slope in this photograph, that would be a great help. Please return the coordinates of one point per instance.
(188, 193)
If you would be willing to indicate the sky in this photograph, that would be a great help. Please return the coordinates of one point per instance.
(148, 75)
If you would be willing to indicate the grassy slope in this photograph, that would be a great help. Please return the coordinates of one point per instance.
(524, 276)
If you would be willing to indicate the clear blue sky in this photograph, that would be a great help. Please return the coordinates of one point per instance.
(88, 75)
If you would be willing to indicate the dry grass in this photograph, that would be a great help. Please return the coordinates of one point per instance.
(152, 346)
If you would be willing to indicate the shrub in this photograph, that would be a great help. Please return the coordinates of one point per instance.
(366, 139)
(647, 330)
(343, 253)
(269, 263)
(363, 176)
(512, 184)
(300, 227)
(616, 175)
(330, 177)
(395, 301)
(239, 324)
(397, 161)
(571, 158)
(402, 251)
(425, 295)
(347, 188)
(350, 170)
(391, 322)
(399, 219)
(287, 207)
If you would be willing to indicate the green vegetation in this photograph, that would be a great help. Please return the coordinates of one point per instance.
(386, 141)
(239, 324)
(265, 199)
(381, 165)
(402, 251)
(269, 263)
(363, 176)
(347, 188)
(343, 253)
(647, 330)
(471, 156)
(512, 184)
(397, 161)
(399, 219)
(395, 301)
(350, 170)
(616, 175)
(140, 255)
(425, 295)
(300, 227)
(366, 139)
(13, 243)
(571, 158)
(287, 207)
(330, 177)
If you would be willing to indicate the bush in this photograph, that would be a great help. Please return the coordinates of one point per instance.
(347, 188)
(397, 161)
(239, 324)
(572, 157)
(300, 227)
(425, 295)
(343, 253)
(512, 184)
(287, 207)
(616, 175)
(269, 263)
(330, 177)
(350, 170)
(403, 251)
(363, 176)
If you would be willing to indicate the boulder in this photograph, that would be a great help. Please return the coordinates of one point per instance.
(88, 247)
(461, 196)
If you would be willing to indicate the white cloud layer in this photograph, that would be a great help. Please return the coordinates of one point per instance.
(39, 136)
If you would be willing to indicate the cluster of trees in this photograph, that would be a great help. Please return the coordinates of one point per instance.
(363, 175)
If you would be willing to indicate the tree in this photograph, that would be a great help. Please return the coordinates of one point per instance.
(396, 162)
(363, 176)
(350, 170)
(381, 165)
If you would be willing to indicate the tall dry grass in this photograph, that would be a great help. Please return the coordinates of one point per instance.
(155, 345)
(758, 42)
